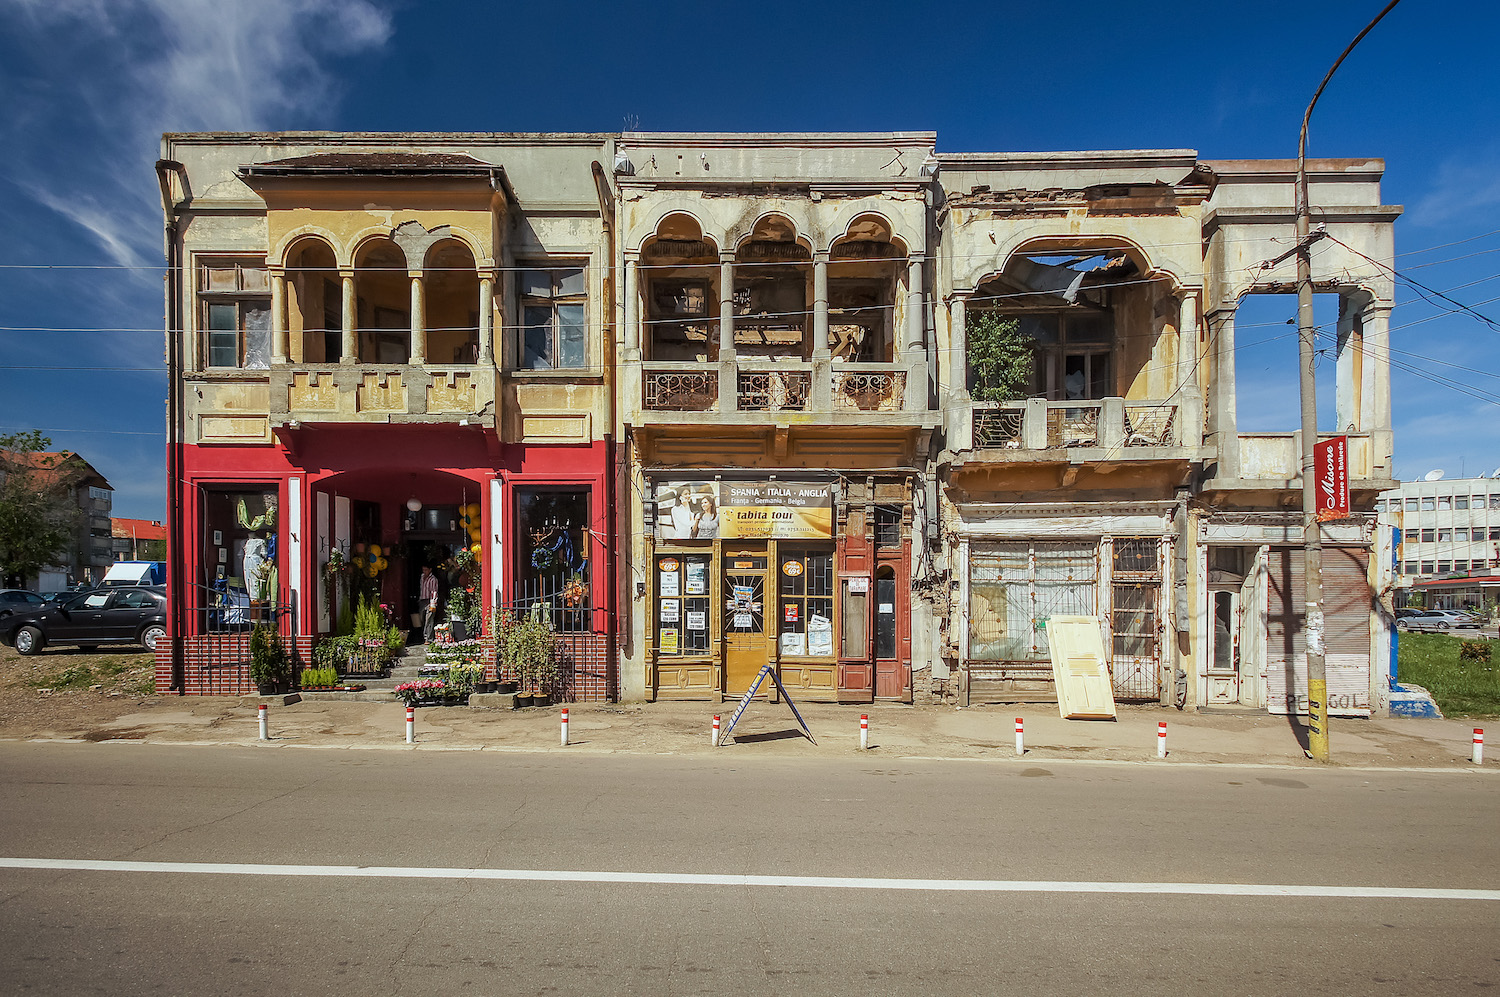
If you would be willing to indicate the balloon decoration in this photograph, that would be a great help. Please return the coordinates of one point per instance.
(469, 517)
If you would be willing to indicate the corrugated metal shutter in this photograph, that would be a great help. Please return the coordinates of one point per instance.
(1346, 623)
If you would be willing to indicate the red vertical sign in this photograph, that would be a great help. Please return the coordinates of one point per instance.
(1331, 471)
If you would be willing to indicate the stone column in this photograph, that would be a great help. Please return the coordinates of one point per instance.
(913, 352)
(279, 350)
(726, 305)
(486, 319)
(418, 319)
(1189, 431)
(914, 309)
(1349, 364)
(958, 348)
(632, 303)
(1223, 424)
(1376, 410)
(959, 414)
(821, 344)
(350, 345)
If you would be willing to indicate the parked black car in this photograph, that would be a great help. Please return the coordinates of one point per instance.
(124, 615)
(13, 601)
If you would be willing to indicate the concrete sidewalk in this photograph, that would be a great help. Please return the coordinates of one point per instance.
(769, 730)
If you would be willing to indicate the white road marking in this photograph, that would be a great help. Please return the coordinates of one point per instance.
(713, 879)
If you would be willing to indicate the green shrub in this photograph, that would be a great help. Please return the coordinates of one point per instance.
(1001, 357)
(269, 661)
(1474, 650)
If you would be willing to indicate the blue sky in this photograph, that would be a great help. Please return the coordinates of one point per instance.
(91, 84)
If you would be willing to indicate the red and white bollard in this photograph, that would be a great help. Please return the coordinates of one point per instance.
(713, 739)
(864, 731)
(411, 725)
(265, 734)
(1161, 739)
(1020, 737)
(1478, 745)
(565, 727)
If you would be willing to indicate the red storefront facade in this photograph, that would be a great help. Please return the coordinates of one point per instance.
(388, 495)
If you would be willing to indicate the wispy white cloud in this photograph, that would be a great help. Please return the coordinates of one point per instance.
(1464, 188)
(90, 86)
(124, 71)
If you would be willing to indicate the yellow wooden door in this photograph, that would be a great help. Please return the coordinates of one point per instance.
(746, 649)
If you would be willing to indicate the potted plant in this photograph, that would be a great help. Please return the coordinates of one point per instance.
(270, 665)
(528, 646)
(458, 612)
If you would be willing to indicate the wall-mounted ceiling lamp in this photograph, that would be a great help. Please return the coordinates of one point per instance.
(414, 504)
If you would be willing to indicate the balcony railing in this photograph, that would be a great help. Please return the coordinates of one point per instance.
(371, 392)
(681, 387)
(768, 390)
(821, 387)
(1038, 424)
(868, 388)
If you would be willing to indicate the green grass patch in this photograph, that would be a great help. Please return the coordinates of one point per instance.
(79, 676)
(1462, 687)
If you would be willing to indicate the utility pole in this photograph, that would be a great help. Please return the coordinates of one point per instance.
(1312, 534)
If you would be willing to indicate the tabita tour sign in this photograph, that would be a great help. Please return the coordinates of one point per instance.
(744, 510)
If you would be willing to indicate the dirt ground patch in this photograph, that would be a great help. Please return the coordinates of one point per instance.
(70, 692)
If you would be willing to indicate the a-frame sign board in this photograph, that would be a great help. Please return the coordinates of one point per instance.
(754, 686)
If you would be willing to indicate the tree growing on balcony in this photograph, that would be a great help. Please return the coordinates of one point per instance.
(1000, 358)
(38, 517)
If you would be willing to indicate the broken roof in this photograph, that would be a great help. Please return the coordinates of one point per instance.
(376, 161)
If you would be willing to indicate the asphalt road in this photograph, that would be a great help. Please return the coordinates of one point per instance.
(1011, 859)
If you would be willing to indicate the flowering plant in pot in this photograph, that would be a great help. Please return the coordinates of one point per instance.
(421, 691)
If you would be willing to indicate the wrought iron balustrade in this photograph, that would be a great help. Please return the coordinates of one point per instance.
(774, 390)
(681, 389)
(866, 390)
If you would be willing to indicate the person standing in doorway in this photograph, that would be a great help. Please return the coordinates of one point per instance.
(428, 593)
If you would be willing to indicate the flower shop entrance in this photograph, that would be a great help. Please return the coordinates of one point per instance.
(375, 529)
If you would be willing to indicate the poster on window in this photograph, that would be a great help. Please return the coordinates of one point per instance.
(669, 610)
(819, 635)
(669, 581)
(743, 599)
(697, 621)
(667, 640)
(697, 577)
(794, 643)
(744, 510)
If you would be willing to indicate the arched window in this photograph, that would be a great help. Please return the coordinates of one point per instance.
(772, 288)
(382, 293)
(452, 286)
(315, 299)
(681, 287)
(865, 267)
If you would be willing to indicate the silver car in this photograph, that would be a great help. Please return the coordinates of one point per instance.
(1430, 620)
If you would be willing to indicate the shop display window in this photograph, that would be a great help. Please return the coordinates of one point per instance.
(552, 553)
(682, 603)
(806, 608)
(240, 556)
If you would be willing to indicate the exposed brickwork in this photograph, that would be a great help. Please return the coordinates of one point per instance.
(219, 664)
(588, 673)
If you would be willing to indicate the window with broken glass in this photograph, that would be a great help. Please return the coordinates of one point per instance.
(770, 302)
(1066, 305)
(235, 298)
(1072, 352)
(554, 318)
(680, 326)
